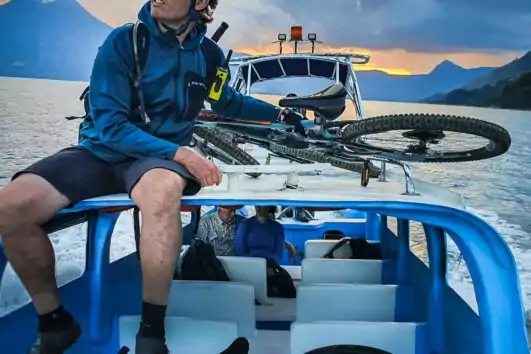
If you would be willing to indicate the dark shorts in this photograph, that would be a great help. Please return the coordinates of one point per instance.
(79, 175)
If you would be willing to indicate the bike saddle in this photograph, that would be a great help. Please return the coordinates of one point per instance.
(329, 103)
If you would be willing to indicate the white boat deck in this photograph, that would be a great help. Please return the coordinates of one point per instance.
(331, 188)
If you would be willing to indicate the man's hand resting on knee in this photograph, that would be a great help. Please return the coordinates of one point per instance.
(201, 168)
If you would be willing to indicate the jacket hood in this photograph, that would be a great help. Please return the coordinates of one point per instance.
(192, 41)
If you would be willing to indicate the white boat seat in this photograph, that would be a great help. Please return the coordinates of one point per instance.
(248, 270)
(278, 310)
(318, 248)
(214, 300)
(184, 335)
(349, 271)
(294, 271)
(394, 337)
(346, 302)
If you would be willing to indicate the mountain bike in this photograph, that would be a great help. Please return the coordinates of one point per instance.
(349, 144)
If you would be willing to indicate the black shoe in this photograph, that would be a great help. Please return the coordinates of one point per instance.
(239, 346)
(149, 345)
(56, 342)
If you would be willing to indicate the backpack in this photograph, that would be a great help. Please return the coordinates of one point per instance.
(139, 36)
(360, 248)
(201, 263)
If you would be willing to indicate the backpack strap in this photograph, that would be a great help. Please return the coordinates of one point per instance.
(140, 41)
(330, 254)
(139, 36)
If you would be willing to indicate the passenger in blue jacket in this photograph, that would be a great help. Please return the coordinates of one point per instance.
(261, 236)
(121, 152)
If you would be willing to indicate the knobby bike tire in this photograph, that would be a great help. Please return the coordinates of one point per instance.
(217, 139)
(320, 157)
(499, 137)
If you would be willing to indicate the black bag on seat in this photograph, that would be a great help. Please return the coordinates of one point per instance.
(201, 263)
(347, 349)
(360, 248)
(279, 282)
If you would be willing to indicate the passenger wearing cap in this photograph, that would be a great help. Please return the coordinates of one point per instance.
(123, 150)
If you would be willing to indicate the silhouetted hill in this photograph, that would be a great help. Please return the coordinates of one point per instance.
(377, 85)
(508, 71)
(49, 39)
(492, 90)
(510, 93)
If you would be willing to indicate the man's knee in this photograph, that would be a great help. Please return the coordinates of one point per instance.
(159, 191)
(28, 200)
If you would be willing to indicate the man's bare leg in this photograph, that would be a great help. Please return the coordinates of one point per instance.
(158, 195)
(25, 204)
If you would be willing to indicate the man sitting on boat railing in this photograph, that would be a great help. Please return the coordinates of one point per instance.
(123, 150)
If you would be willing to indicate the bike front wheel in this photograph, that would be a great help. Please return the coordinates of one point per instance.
(426, 138)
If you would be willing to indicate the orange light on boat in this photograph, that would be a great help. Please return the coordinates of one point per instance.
(296, 33)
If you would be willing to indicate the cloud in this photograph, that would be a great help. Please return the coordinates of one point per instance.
(490, 27)
(414, 25)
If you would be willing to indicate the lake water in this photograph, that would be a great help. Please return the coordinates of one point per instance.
(32, 126)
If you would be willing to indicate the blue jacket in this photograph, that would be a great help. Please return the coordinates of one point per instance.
(254, 239)
(170, 84)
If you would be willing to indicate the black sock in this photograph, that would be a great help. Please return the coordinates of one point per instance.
(152, 324)
(58, 319)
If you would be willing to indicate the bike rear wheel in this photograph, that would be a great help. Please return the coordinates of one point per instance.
(425, 131)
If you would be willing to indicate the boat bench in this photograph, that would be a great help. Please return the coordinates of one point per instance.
(393, 337)
(250, 270)
(353, 302)
(348, 271)
(217, 301)
(253, 271)
(184, 335)
(318, 248)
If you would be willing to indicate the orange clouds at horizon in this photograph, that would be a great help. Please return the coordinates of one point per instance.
(398, 61)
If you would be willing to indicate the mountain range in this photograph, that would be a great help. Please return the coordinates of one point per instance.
(508, 86)
(59, 40)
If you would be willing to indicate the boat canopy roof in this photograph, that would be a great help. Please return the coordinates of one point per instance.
(334, 66)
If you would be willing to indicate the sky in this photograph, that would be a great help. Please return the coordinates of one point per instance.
(402, 36)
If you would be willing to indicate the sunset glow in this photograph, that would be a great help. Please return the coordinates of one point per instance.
(397, 61)
(274, 19)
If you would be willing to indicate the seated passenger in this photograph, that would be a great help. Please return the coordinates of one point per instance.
(218, 229)
(262, 236)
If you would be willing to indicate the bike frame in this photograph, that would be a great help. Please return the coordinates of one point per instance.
(259, 133)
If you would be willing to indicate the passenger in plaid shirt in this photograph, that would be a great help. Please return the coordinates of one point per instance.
(218, 229)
